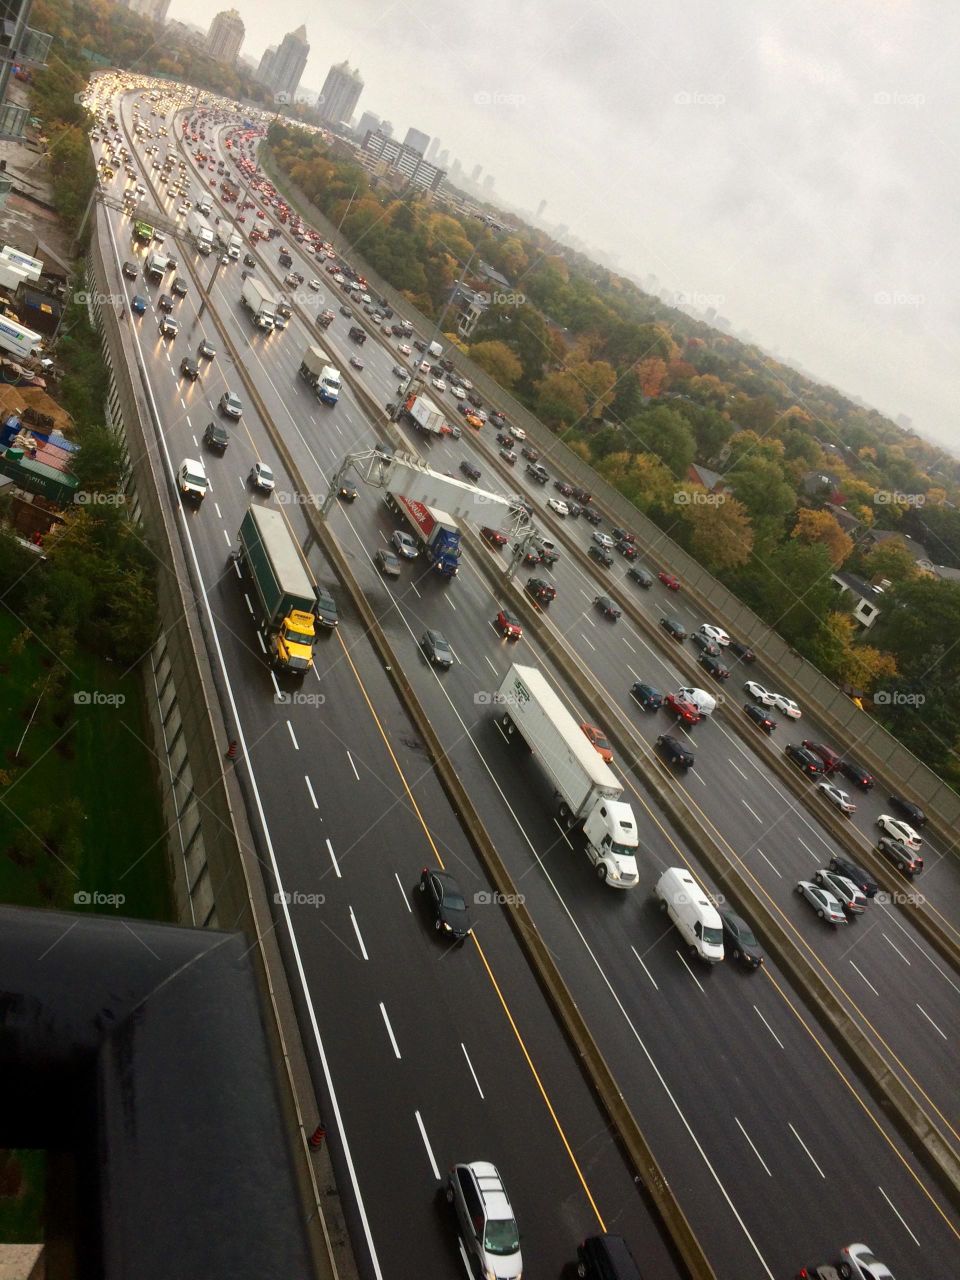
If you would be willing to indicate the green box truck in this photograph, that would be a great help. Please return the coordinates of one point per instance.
(283, 594)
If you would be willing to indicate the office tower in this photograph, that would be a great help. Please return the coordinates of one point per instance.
(287, 64)
(369, 123)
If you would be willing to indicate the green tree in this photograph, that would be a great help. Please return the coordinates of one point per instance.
(664, 432)
(759, 484)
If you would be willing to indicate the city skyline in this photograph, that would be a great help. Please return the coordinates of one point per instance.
(789, 169)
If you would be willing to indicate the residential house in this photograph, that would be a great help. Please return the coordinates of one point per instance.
(866, 610)
(879, 537)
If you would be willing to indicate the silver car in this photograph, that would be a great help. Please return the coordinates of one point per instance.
(844, 890)
(823, 902)
(858, 1261)
(405, 544)
(488, 1228)
(839, 799)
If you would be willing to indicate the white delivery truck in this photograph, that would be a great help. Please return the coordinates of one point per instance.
(234, 245)
(205, 203)
(317, 368)
(32, 267)
(424, 415)
(12, 275)
(260, 302)
(694, 915)
(18, 340)
(435, 350)
(589, 792)
(199, 229)
(222, 234)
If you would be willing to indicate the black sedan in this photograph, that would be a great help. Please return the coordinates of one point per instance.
(741, 651)
(806, 760)
(627, 549)
(445, 902)
(714, 666)
(674, 627)
(640, 576)
(470, 470)
(179, 287)
(739, 940)
(165, 302)
(541, 590)
(857, 774)
(650, 699)
(607, 607)
(592, 515)
(674, 751)
(862, 879)
(437, 650)
(130, 270)
(189, 368)
(325, 608)
(207, 350)
(907, 809)
(347, 492)
(759, 717)
(600, 554)
(705, 644)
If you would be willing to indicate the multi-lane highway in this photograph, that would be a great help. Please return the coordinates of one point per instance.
(744, 1103)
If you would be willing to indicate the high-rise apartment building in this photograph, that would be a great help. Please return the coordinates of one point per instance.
(417, 141)
(340, 94)
(225, 37)
(265, 69)
(287, 64)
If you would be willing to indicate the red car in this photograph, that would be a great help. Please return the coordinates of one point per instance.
(669, 580)
(682, 708)
(508, 625)
(598, 741)
(831, 760)
(493, 536)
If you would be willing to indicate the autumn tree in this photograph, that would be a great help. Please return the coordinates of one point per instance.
(718, 528)
(821, 526)
(640, 477)
(496, 358)
(839, 655)
(597, 380)
(561, 401)
(652, 374)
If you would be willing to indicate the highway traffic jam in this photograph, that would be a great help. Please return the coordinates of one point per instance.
(285, 381)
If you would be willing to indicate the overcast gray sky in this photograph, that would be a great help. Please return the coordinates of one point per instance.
(793, 164)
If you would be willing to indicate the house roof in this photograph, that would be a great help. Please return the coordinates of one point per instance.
(703, 475)
(858, 586)
(947, 574)
(916, 549)
(138, 1050)
(492, 274)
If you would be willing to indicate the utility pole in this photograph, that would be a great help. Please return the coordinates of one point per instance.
(405, 387)
(343, 216)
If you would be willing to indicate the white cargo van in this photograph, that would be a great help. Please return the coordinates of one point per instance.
(692, 912)
(705, 702)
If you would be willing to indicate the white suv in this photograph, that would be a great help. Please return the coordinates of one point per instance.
(487, 1225)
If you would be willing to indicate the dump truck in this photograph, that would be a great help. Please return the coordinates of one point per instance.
(282, 594)
(143, 232)
(317, 368)
(200, 231)
(424, 415)
(260, 302)
(436, 531)
(588, 792)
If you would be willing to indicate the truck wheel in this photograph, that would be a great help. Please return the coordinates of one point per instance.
(601, 872)
(844, 1270)
(663, 904)
(565, 816)
(507, 723)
